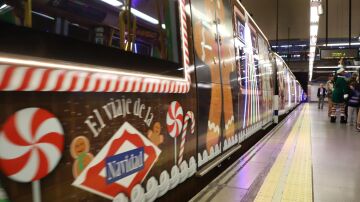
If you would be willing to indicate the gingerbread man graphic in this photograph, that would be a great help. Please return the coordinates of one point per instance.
(155, 135)
(209, 47)
(79, 149)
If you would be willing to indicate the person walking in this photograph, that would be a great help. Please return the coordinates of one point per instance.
(321, 96)
(329, 89)
(353, 103)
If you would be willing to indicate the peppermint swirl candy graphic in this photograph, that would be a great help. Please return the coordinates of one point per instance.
(31, 144)
(174, 119)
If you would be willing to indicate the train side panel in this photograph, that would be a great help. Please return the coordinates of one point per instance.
(90, 132)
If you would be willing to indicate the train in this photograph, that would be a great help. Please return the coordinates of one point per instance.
(127, 100)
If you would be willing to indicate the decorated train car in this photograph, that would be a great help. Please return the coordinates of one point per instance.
(125, 100)
(287, 87)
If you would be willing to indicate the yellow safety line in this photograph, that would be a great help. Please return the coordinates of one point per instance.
(290, 177)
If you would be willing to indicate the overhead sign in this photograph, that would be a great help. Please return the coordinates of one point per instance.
(339, 53)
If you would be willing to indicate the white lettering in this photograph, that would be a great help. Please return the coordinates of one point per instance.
(92, 126)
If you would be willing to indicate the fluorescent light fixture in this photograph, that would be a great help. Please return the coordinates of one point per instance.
(313, 40)
(314, 17)
(327, 67)
(324, 71)
(342, 44)
(320, 10)
(163, 26)
(80, 67)
(315, 10)
(312, 49)
(3, 6)
(144, 16)
(43, 15)
(135, 12)
(114, 3)
(336, 67)
(286, 46)
(314, 30)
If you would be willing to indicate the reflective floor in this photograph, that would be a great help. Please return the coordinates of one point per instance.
(306, 159)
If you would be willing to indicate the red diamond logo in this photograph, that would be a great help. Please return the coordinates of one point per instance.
(127, 138)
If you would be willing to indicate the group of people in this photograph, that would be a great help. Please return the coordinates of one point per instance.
(343, 95)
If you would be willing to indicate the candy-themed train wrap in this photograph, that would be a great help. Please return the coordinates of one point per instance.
(125, 129)
(116, 146)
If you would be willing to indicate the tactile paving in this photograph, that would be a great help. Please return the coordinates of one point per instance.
(290, 178)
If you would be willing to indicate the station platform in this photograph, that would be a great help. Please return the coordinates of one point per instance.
(305, 158)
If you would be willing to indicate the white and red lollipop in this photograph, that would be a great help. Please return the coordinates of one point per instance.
(174, 119)
(174, 122)
(31, 144)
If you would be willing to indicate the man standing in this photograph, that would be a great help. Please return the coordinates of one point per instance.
(321, 96)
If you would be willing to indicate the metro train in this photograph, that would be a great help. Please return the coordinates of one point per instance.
(127, 100)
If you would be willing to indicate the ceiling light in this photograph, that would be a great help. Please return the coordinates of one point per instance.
(320, 10)
(314, 17)
(314, 30)
(143, 16)
(43, 15)
(327, 67)
(115, 3)
(341, 44)
(3, 6)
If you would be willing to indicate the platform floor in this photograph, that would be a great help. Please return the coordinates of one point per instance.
(305, 159)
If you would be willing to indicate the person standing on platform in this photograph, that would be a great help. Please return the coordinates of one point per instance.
(321, 96)
(340, 94)
(329, 89)
(353, 102)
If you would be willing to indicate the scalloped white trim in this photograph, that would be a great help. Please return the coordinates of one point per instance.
(205, 156)
(155, 188)
(213, 127)
(229, 122)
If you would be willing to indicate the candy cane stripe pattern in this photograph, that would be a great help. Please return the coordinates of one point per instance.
(31, 144)
(189, 116)
(20, 76)
(174, 119)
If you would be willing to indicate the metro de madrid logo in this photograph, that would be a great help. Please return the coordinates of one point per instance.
(124, 161)
(124, 164)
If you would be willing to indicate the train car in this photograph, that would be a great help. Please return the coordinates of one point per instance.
(126, 100)
(298, 92)
(287, 86)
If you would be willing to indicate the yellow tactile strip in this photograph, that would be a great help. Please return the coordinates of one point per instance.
(290, 177)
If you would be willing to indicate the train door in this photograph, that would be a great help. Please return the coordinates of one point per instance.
(281, 85)
(228, 72)
(265, 75)
(251, 61)
(205, 20)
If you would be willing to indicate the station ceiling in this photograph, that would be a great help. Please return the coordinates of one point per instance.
(294, 18)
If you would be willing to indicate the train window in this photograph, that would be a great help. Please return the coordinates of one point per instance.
(143, 27)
